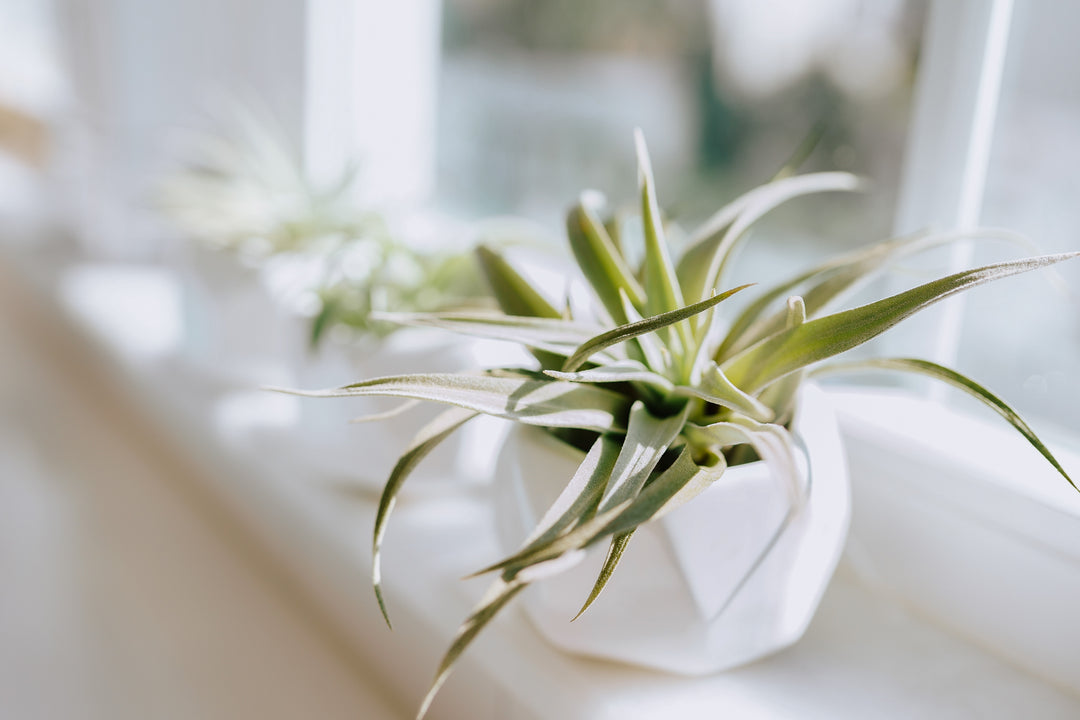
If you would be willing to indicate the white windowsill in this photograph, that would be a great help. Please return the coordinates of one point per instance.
(957, 516)
(865, 654)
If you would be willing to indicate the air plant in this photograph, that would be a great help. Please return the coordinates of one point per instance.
(660, 387)
(246, 192)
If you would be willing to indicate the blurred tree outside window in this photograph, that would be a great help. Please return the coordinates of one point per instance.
(538, 100)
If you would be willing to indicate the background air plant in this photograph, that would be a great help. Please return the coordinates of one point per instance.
(661, 388)
(246, 192)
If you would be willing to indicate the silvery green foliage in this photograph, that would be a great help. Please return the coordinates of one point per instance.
(666, 390)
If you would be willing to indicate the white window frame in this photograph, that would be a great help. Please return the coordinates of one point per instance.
(321, 65)
(953, 511)
(965, 45)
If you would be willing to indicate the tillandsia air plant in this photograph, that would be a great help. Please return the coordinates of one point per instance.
(661, 389)
(245, 191)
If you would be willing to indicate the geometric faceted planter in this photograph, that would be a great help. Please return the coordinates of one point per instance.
(729, 577)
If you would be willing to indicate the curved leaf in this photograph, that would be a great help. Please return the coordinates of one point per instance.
(425, 441)
(647, 438)
(662, 291)
(553, 334)
(687, 479)
(601, 262)
(581, 496)
(614, 554)
(835, 279)
(680, 482)
(513, 292)
(620, 371)
(526, 398)
(773, 444)
(715, 387)
(576, 503)
(709, 247)
(393, 412)
(641, 327)
(824, 337)
(498, 595)
(802, 151)
(647, 347)
(961, 382)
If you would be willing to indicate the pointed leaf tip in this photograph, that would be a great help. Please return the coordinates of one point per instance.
(615, 553)
(642, 327)
(642, 151)
(960, 382)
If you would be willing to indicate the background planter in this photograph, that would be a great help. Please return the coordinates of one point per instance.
(722, 581)
(237, 334)
(365, 453)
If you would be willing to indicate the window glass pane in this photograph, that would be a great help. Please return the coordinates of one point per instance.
(1024, 340)
(538, 101)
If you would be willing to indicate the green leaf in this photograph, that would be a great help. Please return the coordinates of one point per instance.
(613, 224)
(803, 151)
(322, 322)
(641, 327)
(614, 554)
(646, 347)
(647, 438)
(393, 412)
(555, 335)
(576, 503)
(824, 337)
(513, 292)
(663, 494)
(528, 399)
(662, 291)
(581, 496)
(780, 396)
(600, 261)
(688, 479)
(620, 371)
(962, 382)
(715, 387)
(700, 267)
(680, 482)
(425, 441)
(773, 444)
(496, 598)
(834, 279)
(796, 312)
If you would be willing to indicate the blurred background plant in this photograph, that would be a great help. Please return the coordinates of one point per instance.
(242, 190)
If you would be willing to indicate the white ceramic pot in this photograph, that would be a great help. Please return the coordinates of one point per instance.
(729, 577)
